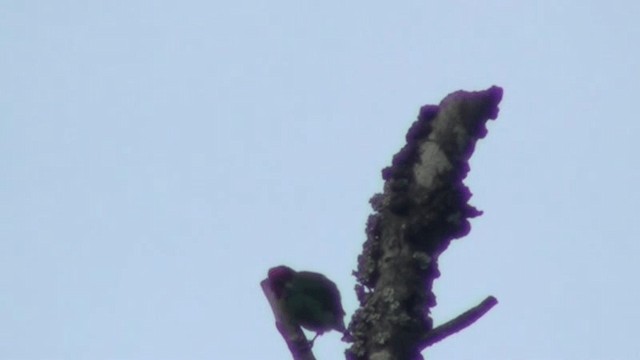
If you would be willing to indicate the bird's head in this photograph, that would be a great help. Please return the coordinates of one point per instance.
(279, 276)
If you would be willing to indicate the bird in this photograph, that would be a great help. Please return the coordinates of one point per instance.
(308, 298)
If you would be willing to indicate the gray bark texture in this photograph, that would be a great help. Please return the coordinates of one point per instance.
(424, 207)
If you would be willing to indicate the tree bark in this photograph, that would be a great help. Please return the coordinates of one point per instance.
(423, 207)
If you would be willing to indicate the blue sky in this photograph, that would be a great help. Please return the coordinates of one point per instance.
(158, 157)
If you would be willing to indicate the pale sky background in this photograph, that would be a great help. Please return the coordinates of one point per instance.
(157, 157)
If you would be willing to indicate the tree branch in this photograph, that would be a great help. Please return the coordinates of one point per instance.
(293, 335)
(462, 321)
(424, 207)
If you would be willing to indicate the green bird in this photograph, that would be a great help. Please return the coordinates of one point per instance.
(309, 299)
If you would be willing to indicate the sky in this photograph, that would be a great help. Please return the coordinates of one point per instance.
(158, 157)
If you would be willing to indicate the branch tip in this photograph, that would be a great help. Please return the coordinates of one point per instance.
(460, 322)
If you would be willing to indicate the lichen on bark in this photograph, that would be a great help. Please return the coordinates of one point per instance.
(423, 207)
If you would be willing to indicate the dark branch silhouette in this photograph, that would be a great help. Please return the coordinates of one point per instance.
(291, 333)
(462, 321)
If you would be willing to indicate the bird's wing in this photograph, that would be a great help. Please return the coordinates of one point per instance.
(320, 287)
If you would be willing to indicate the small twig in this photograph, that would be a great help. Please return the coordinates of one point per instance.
(293, 335)
(462, 321)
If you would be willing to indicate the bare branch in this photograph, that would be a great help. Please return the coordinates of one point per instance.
(462, 321)
(424, 207)
(293, 335)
